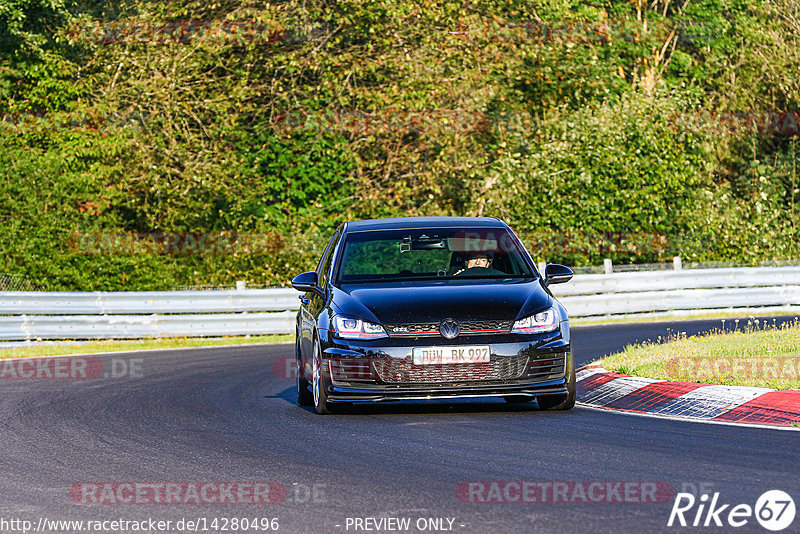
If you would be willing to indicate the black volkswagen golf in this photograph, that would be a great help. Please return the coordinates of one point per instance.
(427, 308)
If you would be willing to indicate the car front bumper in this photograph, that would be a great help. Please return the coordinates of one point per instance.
(383, 370)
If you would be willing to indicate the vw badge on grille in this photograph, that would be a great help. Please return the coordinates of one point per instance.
(449, 329)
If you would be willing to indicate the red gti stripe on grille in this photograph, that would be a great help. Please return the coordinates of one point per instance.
(414, 333)
(436, 333)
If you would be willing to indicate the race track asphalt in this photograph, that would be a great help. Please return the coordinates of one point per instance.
(224, 414)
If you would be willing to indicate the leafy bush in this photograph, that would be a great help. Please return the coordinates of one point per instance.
(574, 121)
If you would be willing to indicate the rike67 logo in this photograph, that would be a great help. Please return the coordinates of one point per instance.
(774, 510)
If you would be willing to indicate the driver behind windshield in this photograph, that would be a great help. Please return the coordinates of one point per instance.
(476, 260)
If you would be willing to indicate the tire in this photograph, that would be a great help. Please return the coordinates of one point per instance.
(560, 402)
(320, 384)
(304, 395)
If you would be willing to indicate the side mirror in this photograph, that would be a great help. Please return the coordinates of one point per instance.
(557, 274)
(306, 282)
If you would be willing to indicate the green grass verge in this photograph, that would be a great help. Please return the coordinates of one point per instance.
(144, 344)
(762, 357)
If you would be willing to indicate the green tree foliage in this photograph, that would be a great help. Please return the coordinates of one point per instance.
(570, 119)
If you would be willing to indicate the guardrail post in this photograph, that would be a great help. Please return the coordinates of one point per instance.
(541, 266)
(240, 285)
(676, 263)
(608, 266)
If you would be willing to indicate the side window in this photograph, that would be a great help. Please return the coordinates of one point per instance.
(324, 266)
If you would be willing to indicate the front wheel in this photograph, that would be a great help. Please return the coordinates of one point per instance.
(304, 396)
(319, 384)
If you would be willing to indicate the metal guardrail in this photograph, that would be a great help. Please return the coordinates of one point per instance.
(39, 315)
(681, 292)
(35, 327)
(33, 315)
(632, 282)
(129, 302)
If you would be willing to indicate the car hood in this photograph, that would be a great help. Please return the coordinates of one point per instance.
(406, 302)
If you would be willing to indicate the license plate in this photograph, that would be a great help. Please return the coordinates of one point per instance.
(443, 355)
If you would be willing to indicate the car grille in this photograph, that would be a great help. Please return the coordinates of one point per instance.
(397, 370)
(468, 328)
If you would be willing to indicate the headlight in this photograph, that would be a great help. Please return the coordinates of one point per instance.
(351, 328)
(545, 321)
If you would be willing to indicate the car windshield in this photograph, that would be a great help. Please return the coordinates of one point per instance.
(441, 253)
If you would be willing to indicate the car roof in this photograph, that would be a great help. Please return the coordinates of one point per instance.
(403, 223)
